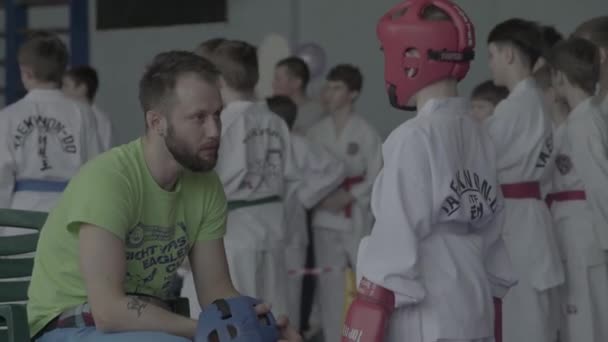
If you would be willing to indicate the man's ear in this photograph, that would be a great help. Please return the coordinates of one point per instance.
(156, 122)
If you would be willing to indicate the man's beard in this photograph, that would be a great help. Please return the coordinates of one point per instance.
(189, 160)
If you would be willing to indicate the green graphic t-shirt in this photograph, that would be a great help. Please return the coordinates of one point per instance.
(116, 192)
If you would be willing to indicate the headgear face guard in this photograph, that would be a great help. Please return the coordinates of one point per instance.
(235, 320)
(444, 48)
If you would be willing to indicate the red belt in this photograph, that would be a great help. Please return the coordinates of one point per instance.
(497, 319)
(562, 196)
(347, 184)
(521, 190)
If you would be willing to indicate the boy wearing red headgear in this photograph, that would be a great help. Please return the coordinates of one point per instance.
(435, 257)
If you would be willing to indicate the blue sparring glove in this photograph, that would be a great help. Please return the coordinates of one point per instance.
(235, 320)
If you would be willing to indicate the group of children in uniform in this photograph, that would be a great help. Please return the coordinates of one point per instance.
(510, 204)
(47, 135)
(282, 158)
(546, 112)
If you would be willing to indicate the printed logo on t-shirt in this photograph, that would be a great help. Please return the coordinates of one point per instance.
(154, 254)
(50, 130)
(473, 192)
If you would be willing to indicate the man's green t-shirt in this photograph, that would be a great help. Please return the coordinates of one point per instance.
(116, 192)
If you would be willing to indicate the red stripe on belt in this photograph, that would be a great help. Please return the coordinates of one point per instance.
(521, 190)
(562, 196)
(347, 184)
(497, 319)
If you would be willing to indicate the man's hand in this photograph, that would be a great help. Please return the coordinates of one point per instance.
(336, 201)
(288, 333)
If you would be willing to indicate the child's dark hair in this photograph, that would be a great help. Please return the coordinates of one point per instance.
(86, 75)
(284, 107)
(490, 92)
(525, 35)
(550, 36)
(347, 73)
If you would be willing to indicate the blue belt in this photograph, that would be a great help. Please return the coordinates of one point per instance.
(237, 204)
(39, 185)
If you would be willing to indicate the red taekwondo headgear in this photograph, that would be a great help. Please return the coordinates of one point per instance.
(445, 48)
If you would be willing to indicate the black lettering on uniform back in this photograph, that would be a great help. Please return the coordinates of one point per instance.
(451, 205)
(545, 153)
(485, 189)
(476, 180)
(467, 179)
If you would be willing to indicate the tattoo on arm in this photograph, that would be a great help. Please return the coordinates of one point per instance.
(137, 304)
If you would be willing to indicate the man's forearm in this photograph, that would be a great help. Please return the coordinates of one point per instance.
(131, 313)
(219, 292)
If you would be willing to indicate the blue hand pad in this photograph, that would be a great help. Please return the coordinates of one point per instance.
(235, 320)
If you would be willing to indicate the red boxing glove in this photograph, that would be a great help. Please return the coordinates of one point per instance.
(369, 314)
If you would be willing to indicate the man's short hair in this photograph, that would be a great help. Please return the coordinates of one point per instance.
(86, 75)
(284, 107)
(488, 91)
(237, 61)
(523, 34)
(157, 85)
(596, 30)
(46, 55)
(296, 67)
(579, 60)
(349, 74)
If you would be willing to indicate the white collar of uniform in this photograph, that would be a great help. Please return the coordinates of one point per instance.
(581, 108)
(36, 94)
(232, 111)
(453, 105)
(523, 85)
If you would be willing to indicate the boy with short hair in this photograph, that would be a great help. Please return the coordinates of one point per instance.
(317, 166)
(81, 83)
(580, 197)
(596, 31)
(44, 137)
(344, 217)
(485, 97)
(521, 130)
(556, 106)
(291, 78)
